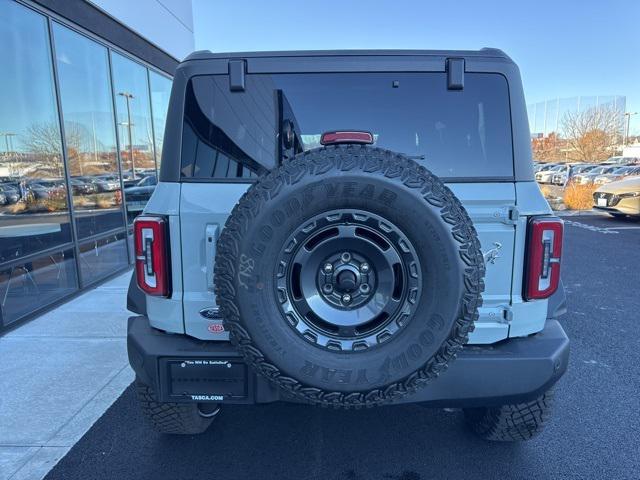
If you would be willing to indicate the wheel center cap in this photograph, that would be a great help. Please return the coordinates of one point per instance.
(346, 281)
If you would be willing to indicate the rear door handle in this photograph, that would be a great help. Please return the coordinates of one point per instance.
(211, 238)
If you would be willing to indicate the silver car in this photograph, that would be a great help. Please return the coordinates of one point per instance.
(545, 176)
(617, 174)
(563, 177)
(588, 177)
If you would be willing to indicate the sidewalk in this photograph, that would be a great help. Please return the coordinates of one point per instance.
(60, 372)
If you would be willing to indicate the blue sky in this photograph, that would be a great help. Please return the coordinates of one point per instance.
(564, 48)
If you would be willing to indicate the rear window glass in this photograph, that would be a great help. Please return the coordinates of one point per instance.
(455, 134)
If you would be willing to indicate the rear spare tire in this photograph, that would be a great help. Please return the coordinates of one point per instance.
(349, 276)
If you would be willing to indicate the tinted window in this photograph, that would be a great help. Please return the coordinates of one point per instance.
(463, 133)
(219, 132)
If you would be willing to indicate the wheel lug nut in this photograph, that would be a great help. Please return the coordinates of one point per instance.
(364, 268)
(346, 298)
(328, 268)
(346, 256)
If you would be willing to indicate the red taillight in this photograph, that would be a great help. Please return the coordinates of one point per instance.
(544, 250)
(152, 252)
(332, 138)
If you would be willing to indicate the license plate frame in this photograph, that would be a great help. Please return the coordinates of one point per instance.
(203, 380)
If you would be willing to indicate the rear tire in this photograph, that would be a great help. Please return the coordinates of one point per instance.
(510, 423)
(173, 418)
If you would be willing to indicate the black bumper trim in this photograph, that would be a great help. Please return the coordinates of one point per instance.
(512, 371)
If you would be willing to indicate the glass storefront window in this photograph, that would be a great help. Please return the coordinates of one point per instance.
(34, 213)
(87, 110)
(29, 285)
(160, 93)
(135, 133)
(99, 258)
(102, 94)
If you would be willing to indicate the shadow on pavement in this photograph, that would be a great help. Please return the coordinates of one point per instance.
(283, 441)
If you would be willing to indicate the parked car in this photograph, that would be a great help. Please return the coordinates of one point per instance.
(622, 160)
(323, 266)
(588, 177)
(43, 189)
(541, 167)
(563, 177)
(11, 194)
(617, 174)
(545, 176)
(537, 166)
(138, 195)
(36, 190)
(83, 186)
(106, 183)
(620, 199)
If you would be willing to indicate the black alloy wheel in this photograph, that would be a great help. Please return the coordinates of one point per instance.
(348, 280)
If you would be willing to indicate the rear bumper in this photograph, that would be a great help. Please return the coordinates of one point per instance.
(621, 208)
(184, 369)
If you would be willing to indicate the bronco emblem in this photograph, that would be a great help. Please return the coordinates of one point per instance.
(490, 256)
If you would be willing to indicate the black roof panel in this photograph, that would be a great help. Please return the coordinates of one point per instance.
(483, 52)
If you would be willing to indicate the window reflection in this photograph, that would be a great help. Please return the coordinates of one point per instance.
(87, 109)
(160, 93)
(29, 285)
(34, 212)
(38, 262)
(99, 258)
(131, 90)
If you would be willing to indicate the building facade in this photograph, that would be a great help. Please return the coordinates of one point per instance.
(83, 100)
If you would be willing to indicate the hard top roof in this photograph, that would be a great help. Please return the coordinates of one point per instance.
(482, 53)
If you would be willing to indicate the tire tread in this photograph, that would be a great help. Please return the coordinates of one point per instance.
(170, 417)
(511, 423)
(369, 161)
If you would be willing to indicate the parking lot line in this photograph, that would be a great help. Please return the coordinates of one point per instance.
(593, 228)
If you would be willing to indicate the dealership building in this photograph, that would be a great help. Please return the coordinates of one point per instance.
(83, 100)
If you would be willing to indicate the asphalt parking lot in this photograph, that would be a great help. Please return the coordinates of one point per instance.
(594, 432)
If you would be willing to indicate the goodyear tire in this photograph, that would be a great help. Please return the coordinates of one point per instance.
(174, 418)
(511, 423)
(349, 276)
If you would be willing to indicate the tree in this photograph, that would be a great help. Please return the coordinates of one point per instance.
(43, 142)
(547, 149)
(591, 134)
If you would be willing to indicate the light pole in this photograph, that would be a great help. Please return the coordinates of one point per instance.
(8, 140)
(626, 131)
(128, 97)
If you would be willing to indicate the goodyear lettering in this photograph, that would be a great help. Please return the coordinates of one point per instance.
(247, 264)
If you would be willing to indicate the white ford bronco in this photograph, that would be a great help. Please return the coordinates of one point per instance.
(348, 229)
